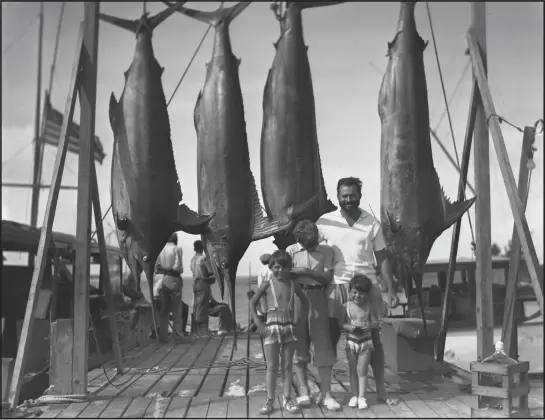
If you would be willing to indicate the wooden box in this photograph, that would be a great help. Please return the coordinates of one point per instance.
(405, 354)
(498, 401)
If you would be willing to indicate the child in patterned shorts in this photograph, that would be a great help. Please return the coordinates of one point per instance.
(359, 344)
(279, 331)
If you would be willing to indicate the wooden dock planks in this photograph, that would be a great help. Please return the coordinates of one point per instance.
(190, 367)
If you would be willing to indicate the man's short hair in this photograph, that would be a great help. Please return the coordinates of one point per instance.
(198, 246)
(281, 258)
(265, 258)
(173, 239)
(361, 283)
(349, 182)
(305, 229)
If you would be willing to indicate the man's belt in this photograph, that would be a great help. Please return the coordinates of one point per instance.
(167, 272)
(312, 287)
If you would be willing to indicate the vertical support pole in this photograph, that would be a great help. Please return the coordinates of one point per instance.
(45, 237)
(37, 140)
(87, 95)
(445, 310)
(485, 333)
(509, 331)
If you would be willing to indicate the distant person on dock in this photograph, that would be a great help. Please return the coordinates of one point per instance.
(356, 321)
(203, 278)
(263, 275)
(357, 240)
(168, 287)
(313, 265)
(279, 331)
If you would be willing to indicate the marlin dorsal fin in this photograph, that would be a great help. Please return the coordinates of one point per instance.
(454, 211)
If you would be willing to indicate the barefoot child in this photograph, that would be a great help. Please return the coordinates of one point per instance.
(359, 344)
(279, 331)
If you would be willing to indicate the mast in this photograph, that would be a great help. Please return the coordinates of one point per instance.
(37, 140)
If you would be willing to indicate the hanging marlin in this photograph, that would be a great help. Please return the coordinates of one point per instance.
(291, 168)
(225, 182)
(414, 208)
(145, 190)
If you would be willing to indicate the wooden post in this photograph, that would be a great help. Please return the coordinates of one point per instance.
(104, 269)
(483, 230)
(87, 94)
(509, 331)
(45, 236)
(523, 230)
(442, 335)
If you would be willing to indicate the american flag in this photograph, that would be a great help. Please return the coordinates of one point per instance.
(52, 132)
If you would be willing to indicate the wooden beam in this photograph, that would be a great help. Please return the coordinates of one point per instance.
(523, 230)
(445, 311)
(483, 229)
(87, 95)
(104, 269)
(27, 185)
(509, 330)
(46, 233)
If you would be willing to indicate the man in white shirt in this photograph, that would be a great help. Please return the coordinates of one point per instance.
(167, 286)
(357, 239)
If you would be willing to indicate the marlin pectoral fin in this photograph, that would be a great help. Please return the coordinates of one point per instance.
(329, 207)
(263, 226)
(297, 210)
(191, 222)
(454, 211)
(113, 110)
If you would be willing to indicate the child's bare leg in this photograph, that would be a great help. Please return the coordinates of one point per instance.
(353, 368)
(362, 371)
(288, 350)
(272, 351)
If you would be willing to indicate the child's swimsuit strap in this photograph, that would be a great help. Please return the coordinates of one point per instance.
(275, 299)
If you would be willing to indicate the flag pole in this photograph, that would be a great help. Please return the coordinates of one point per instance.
(37, 140)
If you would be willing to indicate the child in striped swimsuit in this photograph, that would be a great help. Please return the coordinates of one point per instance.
(279, 331)
(359, 344)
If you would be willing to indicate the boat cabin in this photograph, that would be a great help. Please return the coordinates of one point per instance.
(19, 241)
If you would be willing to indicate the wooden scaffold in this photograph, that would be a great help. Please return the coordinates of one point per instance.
(483, 119)
(83, 82)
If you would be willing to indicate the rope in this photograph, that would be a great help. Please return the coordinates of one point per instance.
(503, 120)
(101, 222)
(23, 33)
(442, 83)
(448, 111)
(18, 152)
(458, 84)
(189, 65)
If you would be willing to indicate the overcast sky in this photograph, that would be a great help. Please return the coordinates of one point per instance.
(347, 43)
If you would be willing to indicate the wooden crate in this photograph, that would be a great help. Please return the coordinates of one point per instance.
(500, 399)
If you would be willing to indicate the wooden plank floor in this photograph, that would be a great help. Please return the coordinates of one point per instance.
(209, 378)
